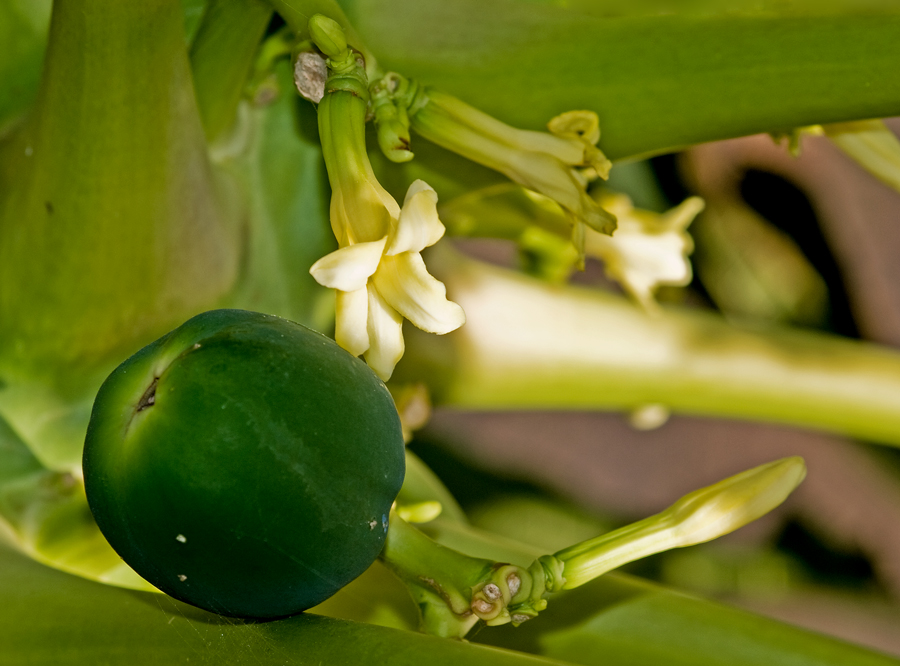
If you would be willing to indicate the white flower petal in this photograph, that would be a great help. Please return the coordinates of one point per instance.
(351, 316)
(419, 226)
(404, 282)
(385, 328)
(349, 268)
(680, 217)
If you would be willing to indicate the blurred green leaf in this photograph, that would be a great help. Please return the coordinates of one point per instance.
(193, 15)
(620, 620)
(222, 56)
(278, 164)
(751, 269)
(46, 515)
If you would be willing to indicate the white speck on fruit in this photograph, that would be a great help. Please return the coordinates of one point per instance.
(181, 538)
(372, 524)
(182, 577)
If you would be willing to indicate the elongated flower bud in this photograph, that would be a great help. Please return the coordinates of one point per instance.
(700, 516)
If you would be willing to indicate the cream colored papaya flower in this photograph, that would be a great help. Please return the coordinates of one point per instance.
(382, 281)
(647, 249)
(377, 271)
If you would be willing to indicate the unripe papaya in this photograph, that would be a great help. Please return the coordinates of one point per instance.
(244, 464)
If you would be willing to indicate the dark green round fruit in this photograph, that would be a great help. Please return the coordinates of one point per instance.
(244, 464)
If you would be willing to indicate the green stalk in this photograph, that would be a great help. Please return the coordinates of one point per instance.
(532, 345)
(222, 56)
(440, 579)
(296, 13)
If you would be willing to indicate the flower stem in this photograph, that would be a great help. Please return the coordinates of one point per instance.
(296, 14)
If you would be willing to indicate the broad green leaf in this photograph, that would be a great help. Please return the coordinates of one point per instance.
(54, 619)
(620, 620)
(658, 81)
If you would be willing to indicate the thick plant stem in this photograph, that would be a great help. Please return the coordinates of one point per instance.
(221, 58)
(436, 575)
(532, 345)
(111, 228)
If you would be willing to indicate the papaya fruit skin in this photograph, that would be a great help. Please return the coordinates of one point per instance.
(244, 464)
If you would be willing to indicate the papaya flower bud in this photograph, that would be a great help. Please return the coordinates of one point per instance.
(558, 164)
(327, 35)
(700, 516)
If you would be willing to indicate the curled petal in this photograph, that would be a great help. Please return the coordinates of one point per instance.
(351, 315)
(595, 158)
(584, 125)
(405, 284)
(349, 268)
(385, 333)
(419, 226)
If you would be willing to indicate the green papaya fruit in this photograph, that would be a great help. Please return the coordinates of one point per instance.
(244, 464)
